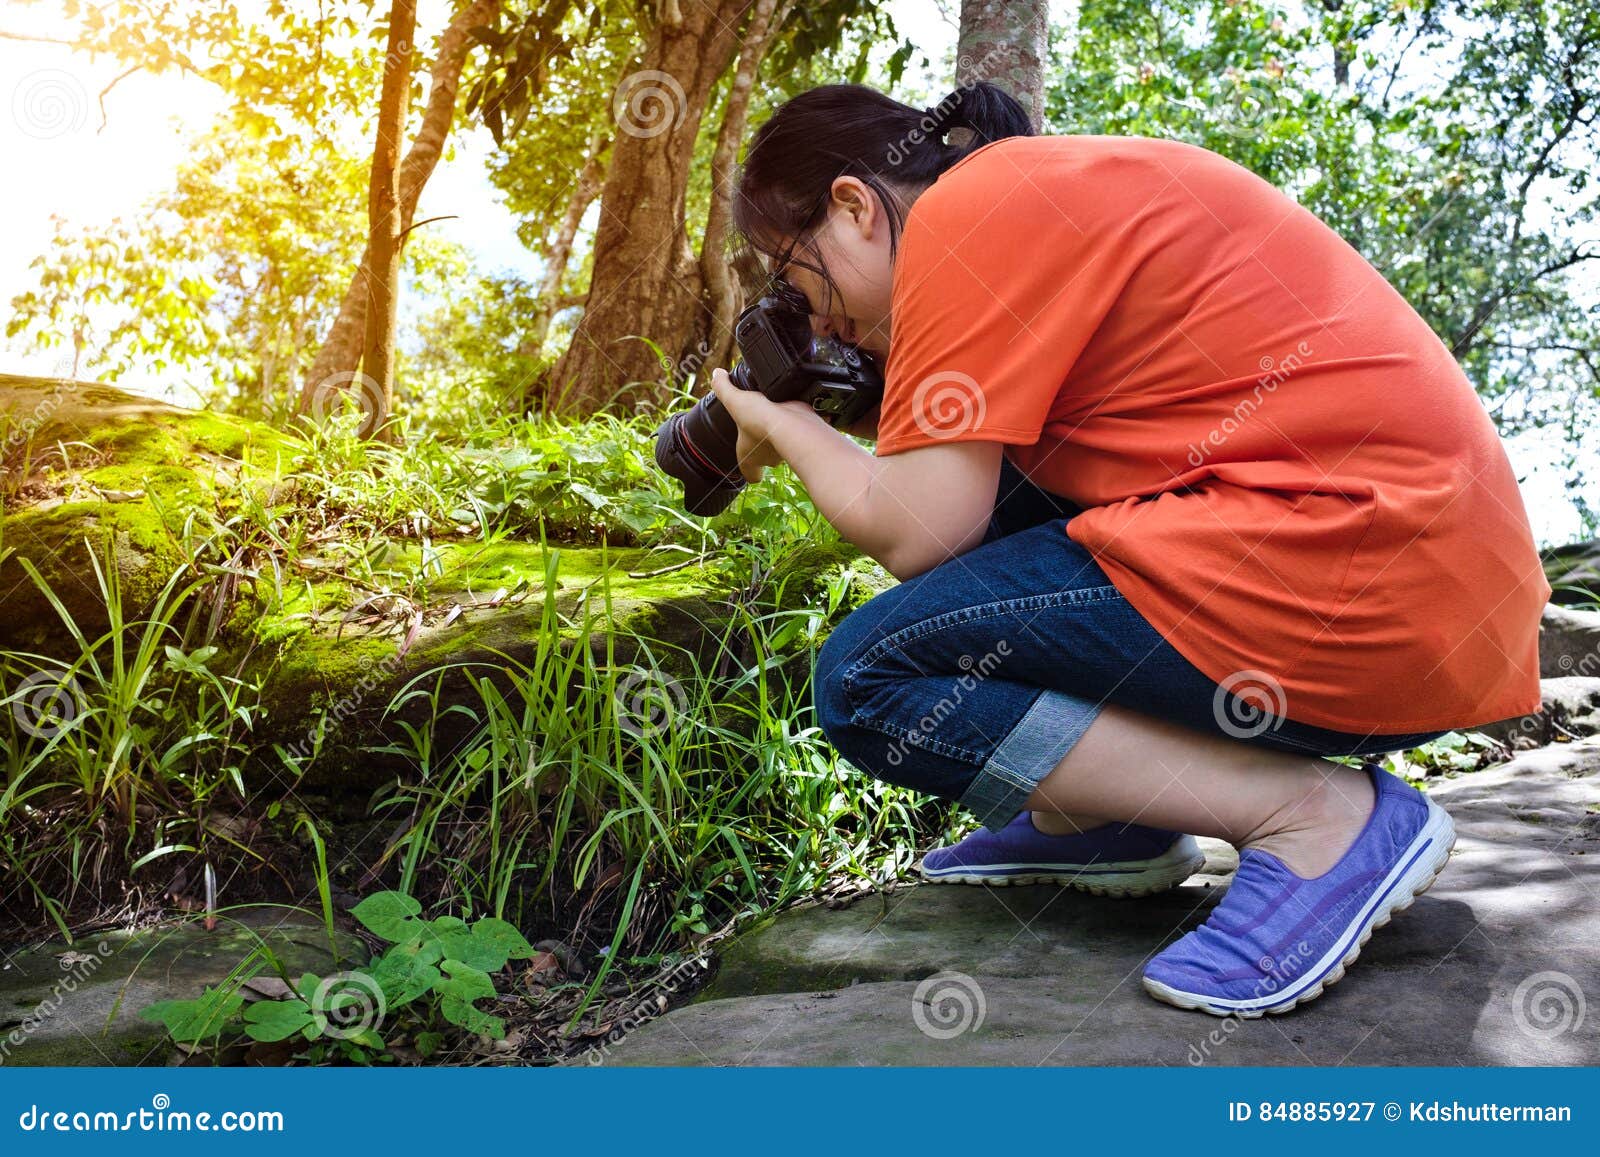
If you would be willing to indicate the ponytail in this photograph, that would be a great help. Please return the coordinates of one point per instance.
(850, 130)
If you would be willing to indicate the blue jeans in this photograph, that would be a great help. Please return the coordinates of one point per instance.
(972, 680)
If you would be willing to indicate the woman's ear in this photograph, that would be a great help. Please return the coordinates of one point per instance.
(858, 200)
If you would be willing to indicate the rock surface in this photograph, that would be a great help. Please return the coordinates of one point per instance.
(79, 1005)
(1569, 708)
(1569, 642)
(1495, 965)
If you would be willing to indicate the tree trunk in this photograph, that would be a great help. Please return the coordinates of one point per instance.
(559, 253)
(1006, 44)
(646, 280)
(383, 217)
(340, 354)
(722, 295)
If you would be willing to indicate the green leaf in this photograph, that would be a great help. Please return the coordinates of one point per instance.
(275, 1020)
(465, 985)
(488, 944)
(406, 972)
(391, 915)
(199, 1019)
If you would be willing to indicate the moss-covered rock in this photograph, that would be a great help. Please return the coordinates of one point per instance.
(91, 470)
(333, 630)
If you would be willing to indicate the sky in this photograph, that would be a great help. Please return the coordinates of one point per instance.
(89, 172)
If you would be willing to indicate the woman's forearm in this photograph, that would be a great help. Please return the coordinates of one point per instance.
(839, 476)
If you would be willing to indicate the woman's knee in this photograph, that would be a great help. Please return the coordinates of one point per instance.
(839, 652)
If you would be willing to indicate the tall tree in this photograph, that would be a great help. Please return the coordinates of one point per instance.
(646, 280)
(342, 351)
(383, 221)
(1006, 44)
(721, 293)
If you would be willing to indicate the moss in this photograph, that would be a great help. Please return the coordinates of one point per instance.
(185, 461)
(113, 442)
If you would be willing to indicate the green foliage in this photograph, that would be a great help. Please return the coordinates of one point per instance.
(204, 1018)
(433, 970)
(229, 280)
(135, 719)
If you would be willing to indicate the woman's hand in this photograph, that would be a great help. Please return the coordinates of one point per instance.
(754, 413)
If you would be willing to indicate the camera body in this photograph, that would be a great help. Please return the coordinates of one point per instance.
(781, 358)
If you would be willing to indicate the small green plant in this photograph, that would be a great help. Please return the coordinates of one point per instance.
(1456, 751)
(434, 970)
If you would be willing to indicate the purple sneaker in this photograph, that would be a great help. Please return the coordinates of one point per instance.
(1112, 860)
(1277, 940)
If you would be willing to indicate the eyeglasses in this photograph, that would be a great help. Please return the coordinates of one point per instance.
(783, 260)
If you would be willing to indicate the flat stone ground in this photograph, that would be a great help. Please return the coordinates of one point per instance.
(80, 1005)
(1497, 964)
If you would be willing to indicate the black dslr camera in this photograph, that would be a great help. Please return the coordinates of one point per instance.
(783, 359)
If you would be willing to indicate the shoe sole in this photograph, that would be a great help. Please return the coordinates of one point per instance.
(1416, 872)
(1118, 880)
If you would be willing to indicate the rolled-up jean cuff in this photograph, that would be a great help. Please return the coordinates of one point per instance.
(1039, 741)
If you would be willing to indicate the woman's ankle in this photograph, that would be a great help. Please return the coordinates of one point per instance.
(1059, 824)
(1312, 835)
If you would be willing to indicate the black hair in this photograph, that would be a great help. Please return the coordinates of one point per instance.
(850, 130)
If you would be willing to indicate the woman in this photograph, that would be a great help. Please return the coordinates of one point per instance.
(1184, 497)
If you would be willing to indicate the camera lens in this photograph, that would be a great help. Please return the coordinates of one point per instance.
(700, 448)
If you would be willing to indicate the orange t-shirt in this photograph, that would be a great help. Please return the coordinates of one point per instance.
(1283, 468)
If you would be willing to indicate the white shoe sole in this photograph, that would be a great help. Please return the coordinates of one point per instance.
(1413, 875)
(1133, 878)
